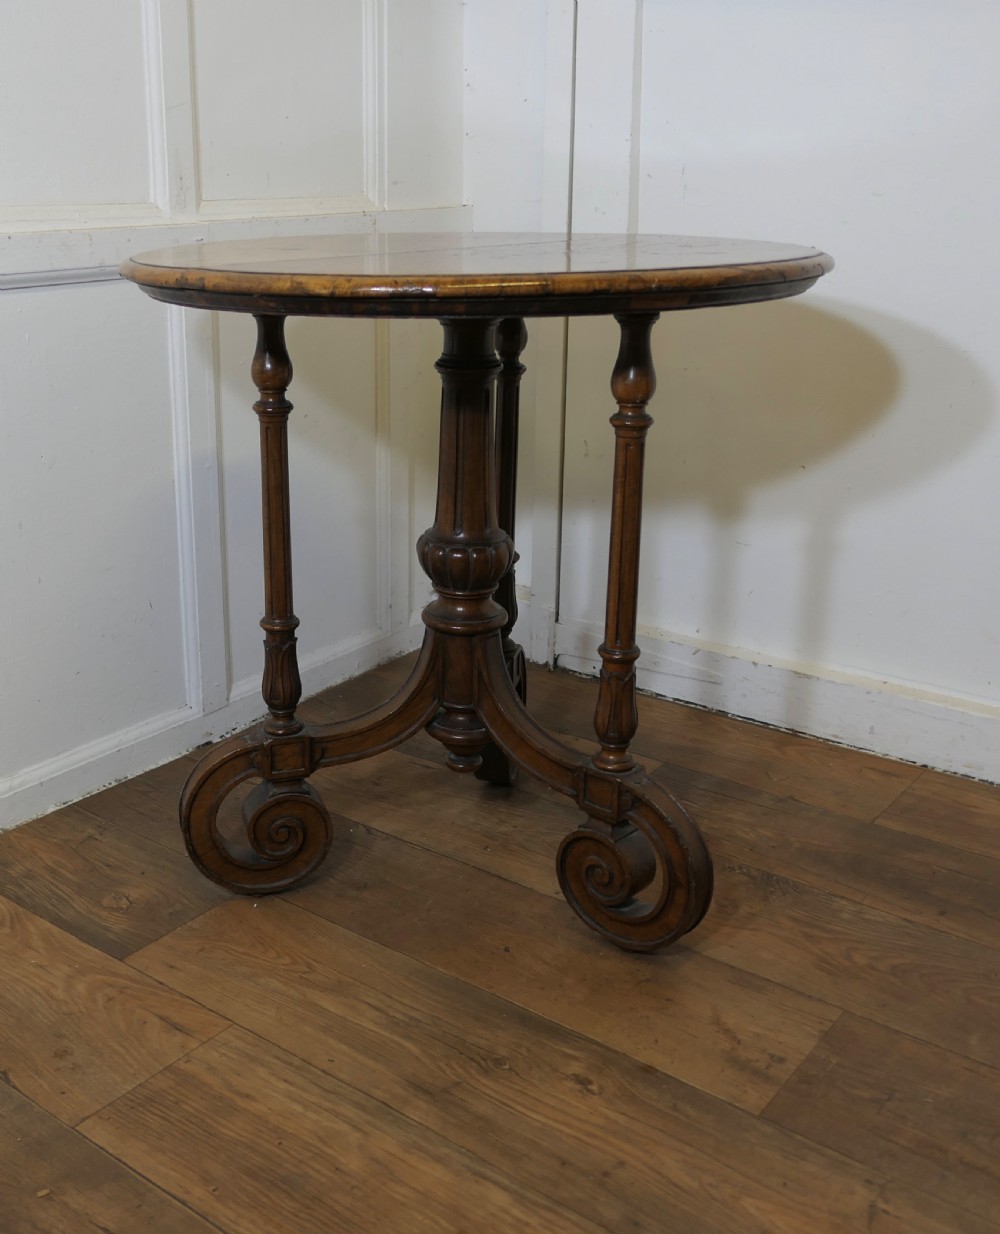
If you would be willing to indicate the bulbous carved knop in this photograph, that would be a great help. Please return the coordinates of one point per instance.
(475, 567)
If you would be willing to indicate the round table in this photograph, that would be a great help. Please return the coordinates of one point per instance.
(637, 869)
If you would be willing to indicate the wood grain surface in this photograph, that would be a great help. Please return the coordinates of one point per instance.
(117, 897)
(54, 1181)
(452, 266)
(915, 1111)
(321, 1157)
(822, 1055)
(80, 1028)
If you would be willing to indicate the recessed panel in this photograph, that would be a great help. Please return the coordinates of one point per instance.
(73, 113)
(91, 621)
(820, 482)
(280, 99)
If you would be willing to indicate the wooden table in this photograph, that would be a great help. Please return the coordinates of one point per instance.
(637, 869)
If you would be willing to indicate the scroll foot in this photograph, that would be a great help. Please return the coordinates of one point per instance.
(656, 848)
(283, 832)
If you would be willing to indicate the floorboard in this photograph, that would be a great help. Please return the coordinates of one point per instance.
(426, 1037)
(318, 1156)
(912, 1110)
(79, 1028)
(709, 1023)
(920, 981)
(924, 881)
(54, 1181)
(115, 891)
(591, 1129)
(949, 810)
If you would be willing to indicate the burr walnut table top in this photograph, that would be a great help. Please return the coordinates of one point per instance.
(457, 273)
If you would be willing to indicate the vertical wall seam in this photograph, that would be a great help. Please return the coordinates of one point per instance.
(220, 479)
(561, 471)
(572, 121)
(384, 554)
(184, 508)
(197, 188)
(156, 112)
(634, 166)
(374, 80)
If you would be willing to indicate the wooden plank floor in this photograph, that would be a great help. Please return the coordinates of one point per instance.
(426, 1038)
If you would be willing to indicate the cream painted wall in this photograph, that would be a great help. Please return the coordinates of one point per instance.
(820, 544)
(821, 510)
(129, 503)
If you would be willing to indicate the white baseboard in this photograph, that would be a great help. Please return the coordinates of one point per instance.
(88, 768)
(918, 726)
(935, 730)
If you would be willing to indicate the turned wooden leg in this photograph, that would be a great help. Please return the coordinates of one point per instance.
(637, 870)
(632, 383)
(272, 374)
(287, 826)
(511, 338)
(637, 833)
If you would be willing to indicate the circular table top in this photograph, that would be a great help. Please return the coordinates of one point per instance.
(484, 274)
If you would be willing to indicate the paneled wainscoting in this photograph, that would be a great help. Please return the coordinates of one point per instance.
(425, 1038)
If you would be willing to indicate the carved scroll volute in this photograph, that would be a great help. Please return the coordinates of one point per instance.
(632, 384)
(272, 374)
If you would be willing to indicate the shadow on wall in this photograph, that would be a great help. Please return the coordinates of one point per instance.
(752, 408)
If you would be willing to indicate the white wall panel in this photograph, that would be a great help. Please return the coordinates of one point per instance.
(129, 474)
(862, 490)
(821, 505)
(280, 99)
(90, 597)
(73, 114)
(422, 103)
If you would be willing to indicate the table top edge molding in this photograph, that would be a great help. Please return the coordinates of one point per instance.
(643, 271)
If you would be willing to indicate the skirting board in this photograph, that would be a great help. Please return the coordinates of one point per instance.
(88, 768)
(917, 726)
(950, 734)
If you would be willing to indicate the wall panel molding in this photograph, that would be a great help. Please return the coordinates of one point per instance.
(386, 548)
(191, 346)
(51, 246)
(374, 89)
(173, 173)
(115, 756)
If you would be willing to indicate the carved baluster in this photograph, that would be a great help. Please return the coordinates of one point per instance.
(632, 383)
(272, 374)
(465, 553)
